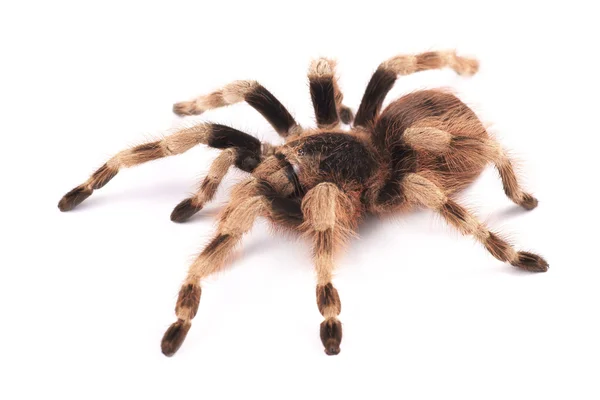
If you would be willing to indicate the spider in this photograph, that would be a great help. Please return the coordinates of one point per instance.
(418, 152)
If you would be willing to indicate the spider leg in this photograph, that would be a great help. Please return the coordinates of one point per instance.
(421, 191)
(252, 93)
(510, 183)
(207, 189)
(248, 151)
(205, 193)
(237, 219)
(326, 94)
(479, 150)
(386, 74)
(328, 220)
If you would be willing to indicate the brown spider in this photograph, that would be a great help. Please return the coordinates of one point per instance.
(419, 151)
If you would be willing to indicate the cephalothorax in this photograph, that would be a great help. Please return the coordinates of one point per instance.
(417, 152)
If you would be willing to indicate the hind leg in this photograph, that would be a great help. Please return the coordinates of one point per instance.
(510, 183)
(475, 150)
(421, 191)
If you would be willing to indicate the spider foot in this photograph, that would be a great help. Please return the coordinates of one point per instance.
(185, 210)
(186, 108)
(528, 202)
(331, 336)
(466, 66)
(174, 337)
(530, 262)
(74, 198)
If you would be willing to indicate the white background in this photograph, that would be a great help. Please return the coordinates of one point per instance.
(428, 314)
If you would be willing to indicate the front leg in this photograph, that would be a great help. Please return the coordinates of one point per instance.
(239, 149)
(328, 220)
(247, 155)
(190, 206)
(237, 219)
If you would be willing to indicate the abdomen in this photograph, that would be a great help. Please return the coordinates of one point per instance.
(453, 169)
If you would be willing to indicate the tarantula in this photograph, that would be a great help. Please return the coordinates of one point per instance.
(417, 152)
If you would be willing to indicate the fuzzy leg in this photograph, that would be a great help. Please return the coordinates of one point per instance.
(476, 150)
(326, 94)
(328, 220)
(252, 93)
(190, 206)
(510, 183)
(386, 74)
(237, 219)
(421, 191)
(248, 156)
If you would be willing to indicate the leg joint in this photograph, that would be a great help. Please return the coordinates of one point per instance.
(328, 300)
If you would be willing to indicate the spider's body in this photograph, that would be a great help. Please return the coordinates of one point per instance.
(418, 151)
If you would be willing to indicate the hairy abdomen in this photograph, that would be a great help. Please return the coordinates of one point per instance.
(433, 111)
